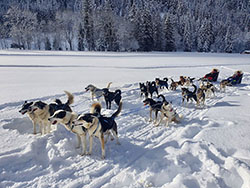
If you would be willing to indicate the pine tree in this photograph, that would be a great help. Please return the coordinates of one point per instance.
(229, 41)
(169, 35)
(81, 38)
(145, 35)
(187, 37)
(205, 36)
(88, 25)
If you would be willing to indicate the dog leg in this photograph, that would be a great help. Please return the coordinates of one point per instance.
(150, 115)
(43, 129)
(107, 137)
(49, 127)
(78, 141)
(84, 144)
(34, 127)
(40, 127)
(107, 105)
(103, 145)
(116, 136)
(156, 115)
(162, 116)
(167, 122)
(90, 144)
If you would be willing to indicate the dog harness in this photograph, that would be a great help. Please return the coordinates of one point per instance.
(98, 125)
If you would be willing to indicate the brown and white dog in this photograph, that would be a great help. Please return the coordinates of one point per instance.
(173, 85)
(32, 116)
(208, 88)
(43, 111)
(170, 113)
(200, 97)
(97, 125)
(223, 85)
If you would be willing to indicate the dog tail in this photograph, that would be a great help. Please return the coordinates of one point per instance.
(96, 108)
(70, 98)
(117, 111)
(118, 91)
(108, 86)
(192, 79)
(163, 98)
(195, 88)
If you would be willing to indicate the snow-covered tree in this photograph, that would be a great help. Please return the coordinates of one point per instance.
(145, 33)
(205, 36)
(169, 34)
(87, 30)
(229, 41)
(22, 25)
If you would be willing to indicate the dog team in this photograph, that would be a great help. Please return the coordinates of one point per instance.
(206, 90)
(98, 125)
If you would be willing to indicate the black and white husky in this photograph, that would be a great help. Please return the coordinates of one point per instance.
(98, 125)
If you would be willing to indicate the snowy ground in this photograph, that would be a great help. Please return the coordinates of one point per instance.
(210, 148)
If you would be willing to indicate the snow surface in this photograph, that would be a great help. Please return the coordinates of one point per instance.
(209, 148)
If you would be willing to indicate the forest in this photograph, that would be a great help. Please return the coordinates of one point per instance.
(126, 25)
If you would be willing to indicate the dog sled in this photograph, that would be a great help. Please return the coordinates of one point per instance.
(235, 78)
(212, 76)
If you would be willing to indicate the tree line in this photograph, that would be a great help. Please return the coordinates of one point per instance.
(126, 25)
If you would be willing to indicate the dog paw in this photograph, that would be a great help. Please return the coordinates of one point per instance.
(84, 153)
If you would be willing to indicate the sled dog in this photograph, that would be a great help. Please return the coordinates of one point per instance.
(154, 106)
(112, 96)
(168, 112)
(98, 125)
(32, 116)
(43, 111)
(96, 92)
(67, 118)
(189, 95)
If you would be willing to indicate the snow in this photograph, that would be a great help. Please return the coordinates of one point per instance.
(209, 148)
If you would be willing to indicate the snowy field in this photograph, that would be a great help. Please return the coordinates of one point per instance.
(210, 148)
